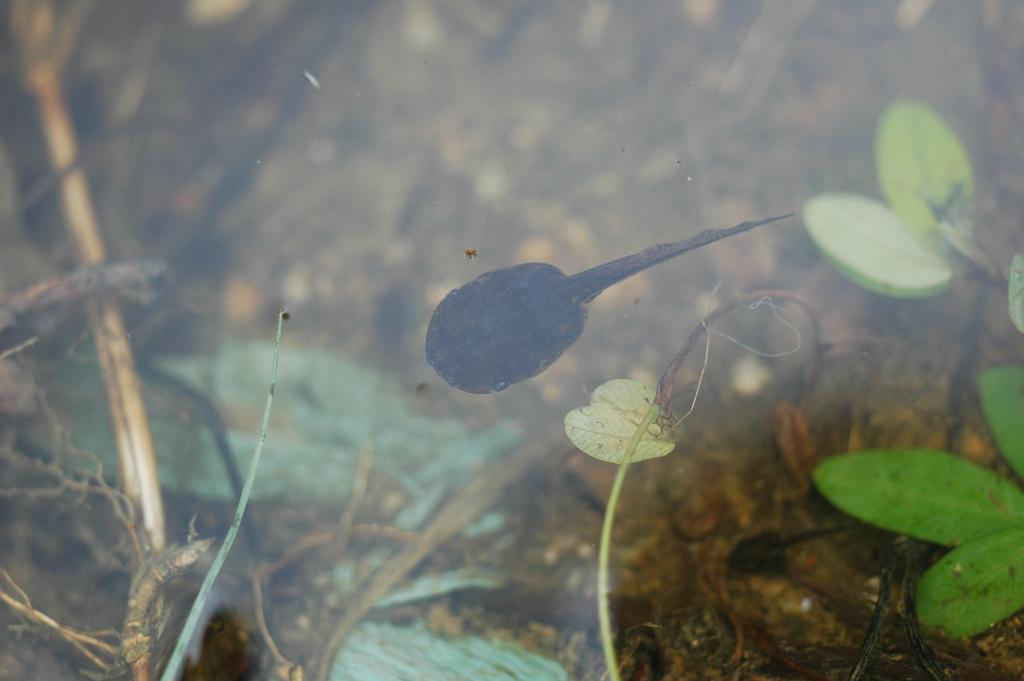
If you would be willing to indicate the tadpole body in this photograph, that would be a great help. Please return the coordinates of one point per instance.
(510, 324)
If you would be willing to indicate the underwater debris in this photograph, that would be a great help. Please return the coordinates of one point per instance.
(385, 652)
(331, 408)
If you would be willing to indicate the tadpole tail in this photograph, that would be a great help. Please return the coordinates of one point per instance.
(595, 280)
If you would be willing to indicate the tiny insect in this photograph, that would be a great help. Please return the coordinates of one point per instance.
(471, 253)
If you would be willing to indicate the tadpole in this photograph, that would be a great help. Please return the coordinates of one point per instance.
(510, 324)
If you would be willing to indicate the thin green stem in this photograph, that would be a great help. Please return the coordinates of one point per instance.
(603, 610)
(173, 668)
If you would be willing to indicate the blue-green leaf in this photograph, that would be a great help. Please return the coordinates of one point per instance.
(385, 652)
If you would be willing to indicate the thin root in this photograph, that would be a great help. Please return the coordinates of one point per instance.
(87, 644)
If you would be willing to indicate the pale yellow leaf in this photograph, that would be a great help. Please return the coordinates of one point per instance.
(604, 428)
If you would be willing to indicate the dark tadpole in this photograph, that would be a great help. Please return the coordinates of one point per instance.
(510, 324)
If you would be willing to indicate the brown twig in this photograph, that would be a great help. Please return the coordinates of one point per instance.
(339, 534)
(328, 535)
(261, 624)
(89, 646)
(36, 311)
(385, 531)
(304, 543)
(480, 493)
(355, 502)
(44, 46)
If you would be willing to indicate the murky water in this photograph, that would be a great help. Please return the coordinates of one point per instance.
(355, 162)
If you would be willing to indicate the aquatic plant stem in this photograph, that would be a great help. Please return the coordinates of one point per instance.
(603, 609)
(45, 42)
(173, 668)
(96, 650)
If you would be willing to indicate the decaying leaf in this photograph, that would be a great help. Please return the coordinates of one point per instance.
(390, 653)
(793, 439)
(331, 409)
(604, 428)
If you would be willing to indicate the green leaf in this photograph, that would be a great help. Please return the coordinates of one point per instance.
(604, 428)
(1015, 296)
(975, 585)
(925, 493)
(1002, 400)
(868, 243)
(923, 169)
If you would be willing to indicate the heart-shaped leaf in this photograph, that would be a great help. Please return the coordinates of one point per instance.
(604, 428)
(974, 586)
(925, 493)
(868, 243)
(923, 169)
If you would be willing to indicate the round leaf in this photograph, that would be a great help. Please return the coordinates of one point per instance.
(1015, 295)
(922, 167)
(974, 586)
(604, 428)
(928, 494)
(868, 243)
